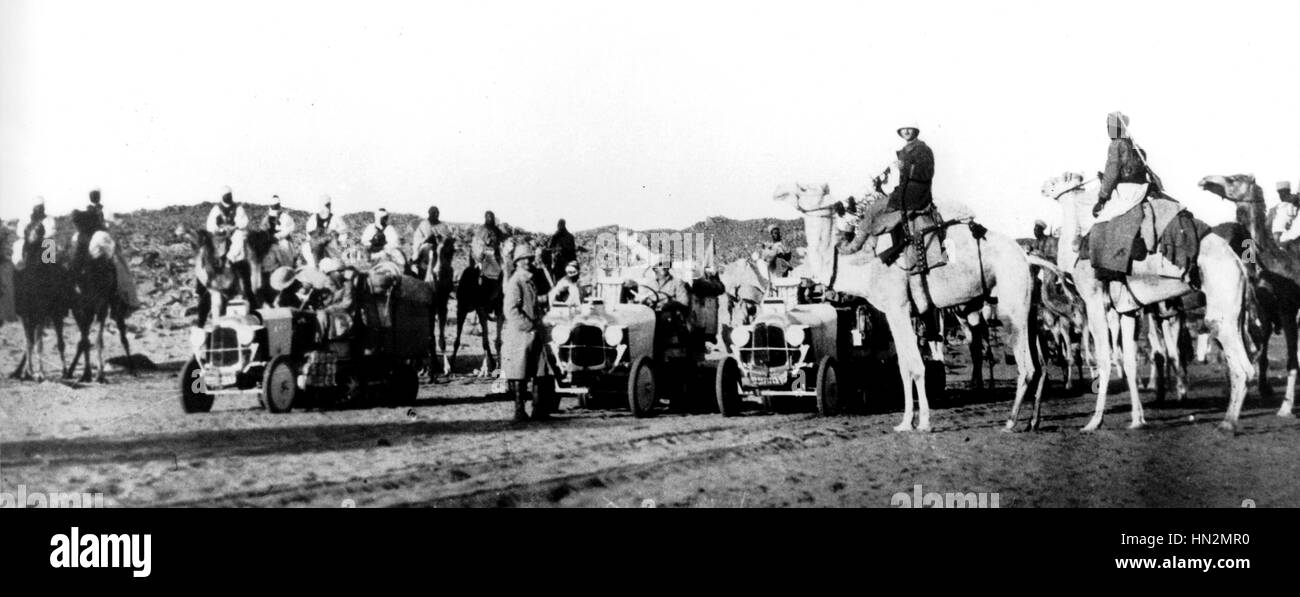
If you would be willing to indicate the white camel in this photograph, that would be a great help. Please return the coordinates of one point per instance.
(1224, 283)
(977, 269)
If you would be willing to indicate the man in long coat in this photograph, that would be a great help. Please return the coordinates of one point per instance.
(522, 335)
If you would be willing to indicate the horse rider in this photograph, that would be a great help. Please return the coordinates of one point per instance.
(775, 253)
(1284, 221)
(485, 247)
(228, 220)
(382, 240)
(521, 350)
(326, 231)
(37, 219)
(1128, 176)
(428, 236)
(567, 291)
(562, 248)
(667, 290)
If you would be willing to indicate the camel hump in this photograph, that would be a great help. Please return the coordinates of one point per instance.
(102, 245)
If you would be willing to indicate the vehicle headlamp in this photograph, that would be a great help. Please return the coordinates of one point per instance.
(244, 335)
(560, 333)
(614, 335)
(198, 338)
(740, 336)
(795, 335)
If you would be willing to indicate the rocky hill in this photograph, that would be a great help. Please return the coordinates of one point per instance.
(161, 260)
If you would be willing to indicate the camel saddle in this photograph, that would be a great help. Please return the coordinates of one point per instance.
(896, 237)
(1156, 237)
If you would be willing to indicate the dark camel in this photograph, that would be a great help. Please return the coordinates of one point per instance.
(1274, 270)
(96, 298)
(42, 293)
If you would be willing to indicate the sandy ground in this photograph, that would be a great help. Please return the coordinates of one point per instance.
(129, 440)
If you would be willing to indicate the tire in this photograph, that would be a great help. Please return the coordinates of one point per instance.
(726, 387)
(278, 385)
(830, 392)
(403, 385)
(192, 399)
(641, 390)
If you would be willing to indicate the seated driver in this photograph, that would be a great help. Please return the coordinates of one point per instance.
(666, 290)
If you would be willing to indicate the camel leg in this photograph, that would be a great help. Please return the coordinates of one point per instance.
(1158, 357)
(58, 342)
(911, 368)
(126, 345)
(99, 348)
(978, 331)
(1173, 328)
(205, 304)
(501, 319)
(1128, 338)
(39, 355)
(1292, 366)
(1261, 361)
(1025, 342)
(1099, 323)
(455, 347)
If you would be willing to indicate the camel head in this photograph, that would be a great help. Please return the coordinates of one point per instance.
(814, 201)
(1238, 188)
(1058, 186)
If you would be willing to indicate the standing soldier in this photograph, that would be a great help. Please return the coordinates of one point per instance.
(562, 248)
(521, 349)
(326, 234)
(382, 241)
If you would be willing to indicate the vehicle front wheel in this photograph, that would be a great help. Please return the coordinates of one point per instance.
(726, 387)
(278, 385)
(829, 391)
(641, 394)
(194, 398)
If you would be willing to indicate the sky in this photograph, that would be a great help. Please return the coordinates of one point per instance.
(644, 114)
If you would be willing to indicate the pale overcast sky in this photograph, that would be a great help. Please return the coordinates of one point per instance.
(642, 114)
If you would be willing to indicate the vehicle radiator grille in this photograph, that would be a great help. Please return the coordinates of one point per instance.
(223, 347)
(586, 346)
(767, 347)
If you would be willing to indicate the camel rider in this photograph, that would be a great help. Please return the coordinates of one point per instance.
(1128, 178)
(666, 290)
(485, 248)
(125, 280)
(281, 226)
(428, 236)
(44, 229)
(562, 247)
(521, 346)
(228, 220)
(1043, 244)
(326, 231)
(567, 291)
(775, 254)
(8, 313)
(847, 219)
(915, 168)
(1284, 221)
(382, 241)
